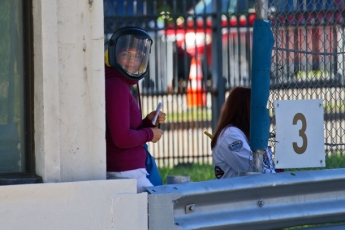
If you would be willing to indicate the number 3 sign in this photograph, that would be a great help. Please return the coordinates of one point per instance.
(299, 134)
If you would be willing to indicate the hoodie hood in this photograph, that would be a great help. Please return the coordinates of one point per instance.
(110, 73)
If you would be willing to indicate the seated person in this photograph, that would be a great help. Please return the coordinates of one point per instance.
(230, 144)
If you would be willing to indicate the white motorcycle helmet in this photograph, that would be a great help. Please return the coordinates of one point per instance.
(128, 51)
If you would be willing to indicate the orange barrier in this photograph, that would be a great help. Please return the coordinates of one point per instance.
(196, 93)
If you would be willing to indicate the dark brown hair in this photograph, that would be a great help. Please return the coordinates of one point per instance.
(235, 111)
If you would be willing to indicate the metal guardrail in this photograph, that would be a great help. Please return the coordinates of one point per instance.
(262, 201)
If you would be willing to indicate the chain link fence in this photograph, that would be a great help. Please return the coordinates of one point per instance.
(203, 49)
(308, 63)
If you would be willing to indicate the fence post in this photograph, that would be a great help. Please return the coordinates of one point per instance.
(261, 9)
(218, 87)
(261, 64)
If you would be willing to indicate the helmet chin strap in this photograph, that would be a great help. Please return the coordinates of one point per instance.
(139, 101)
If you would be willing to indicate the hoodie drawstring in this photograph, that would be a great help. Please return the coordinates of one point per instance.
(139, 101)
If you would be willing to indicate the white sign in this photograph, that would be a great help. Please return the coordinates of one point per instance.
(299, 134)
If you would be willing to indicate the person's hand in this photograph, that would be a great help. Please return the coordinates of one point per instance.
(160, 119)
(157, 134)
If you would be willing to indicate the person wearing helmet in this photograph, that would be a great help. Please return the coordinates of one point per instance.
(126, 59)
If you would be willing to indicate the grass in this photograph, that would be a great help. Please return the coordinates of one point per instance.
(190, 114)
(335, 161)
(313, 74)
(197, 172)
(329, 108)
(202, 172)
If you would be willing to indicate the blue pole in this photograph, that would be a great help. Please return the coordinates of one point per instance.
(261, 63)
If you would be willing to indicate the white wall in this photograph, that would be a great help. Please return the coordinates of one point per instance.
(69, 111)
(86, 205)
(69, 90)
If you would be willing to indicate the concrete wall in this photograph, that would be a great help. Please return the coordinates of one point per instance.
(86, 205)
(70, 131)
(69, 90)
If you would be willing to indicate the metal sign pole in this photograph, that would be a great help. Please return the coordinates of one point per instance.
(261, 9)
(261, 64)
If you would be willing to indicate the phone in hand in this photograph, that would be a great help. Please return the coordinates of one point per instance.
(159, 107)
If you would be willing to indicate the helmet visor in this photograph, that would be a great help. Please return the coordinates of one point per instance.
(132, 54)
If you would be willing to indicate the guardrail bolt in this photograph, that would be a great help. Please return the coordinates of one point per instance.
(261, 203)
(190, 208)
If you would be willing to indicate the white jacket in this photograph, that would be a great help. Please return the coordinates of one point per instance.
(232, 155)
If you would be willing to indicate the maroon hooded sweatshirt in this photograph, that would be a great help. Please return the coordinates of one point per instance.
(126, 132)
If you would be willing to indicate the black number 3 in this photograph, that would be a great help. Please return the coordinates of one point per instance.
(300, 117)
